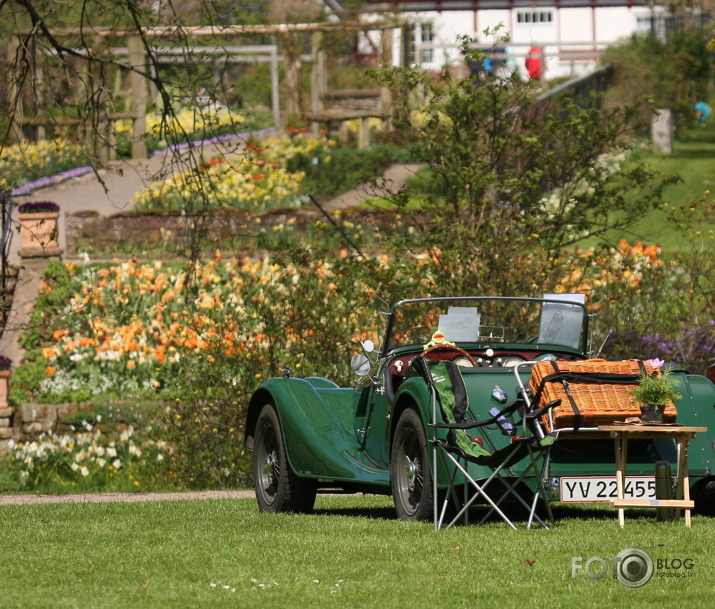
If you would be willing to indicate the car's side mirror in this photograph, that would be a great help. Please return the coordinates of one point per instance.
(360, 364)
(368, 346)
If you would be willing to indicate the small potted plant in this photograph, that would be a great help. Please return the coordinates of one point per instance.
(38, 225)
(5, 364)
(655, 391)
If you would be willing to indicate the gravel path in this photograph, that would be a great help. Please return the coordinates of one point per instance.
(120, 497)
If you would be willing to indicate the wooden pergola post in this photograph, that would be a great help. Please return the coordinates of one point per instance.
(291, 59)
(385, 93)
(38, 88)
(275, 85)
(14, 92)
(319, 79)
(139, 97)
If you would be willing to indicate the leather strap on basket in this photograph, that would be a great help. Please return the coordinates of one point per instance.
(576, 411)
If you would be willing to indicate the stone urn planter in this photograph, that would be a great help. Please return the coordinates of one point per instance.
(38, 229)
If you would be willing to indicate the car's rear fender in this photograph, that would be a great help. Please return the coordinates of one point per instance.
(697, 408)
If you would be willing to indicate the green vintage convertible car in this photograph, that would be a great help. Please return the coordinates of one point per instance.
(308, 434)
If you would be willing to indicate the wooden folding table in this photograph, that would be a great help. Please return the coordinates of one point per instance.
(681, 434)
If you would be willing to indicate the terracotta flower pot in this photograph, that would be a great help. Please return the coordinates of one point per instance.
(4, 387)
(39, 230)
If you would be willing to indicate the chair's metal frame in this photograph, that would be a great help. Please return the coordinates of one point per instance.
(443, 456)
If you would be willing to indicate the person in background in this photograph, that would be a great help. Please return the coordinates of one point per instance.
(533, 63)
(702, 111)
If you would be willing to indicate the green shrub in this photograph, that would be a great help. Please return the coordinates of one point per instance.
(347, 167)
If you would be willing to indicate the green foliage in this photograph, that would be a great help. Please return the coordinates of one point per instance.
(39, 329)
(514, 182)
(656, 389)
(671, 73)
(253, 87)
(327, 306)
(27, 377)
(346, 167)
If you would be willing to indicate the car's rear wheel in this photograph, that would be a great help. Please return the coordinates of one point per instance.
(278, 489)
(703, 493)
(409, 469)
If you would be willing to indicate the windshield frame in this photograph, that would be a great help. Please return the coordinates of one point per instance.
(584, 337)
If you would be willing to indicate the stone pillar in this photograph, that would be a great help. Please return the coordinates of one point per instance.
(662, 131)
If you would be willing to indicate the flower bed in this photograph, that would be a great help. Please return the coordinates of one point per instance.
(27, 166)
(256, 180)
(89, 460)
(125, 329)
(189, 124)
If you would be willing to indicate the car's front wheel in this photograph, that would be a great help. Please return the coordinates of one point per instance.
(278, 489)
(410, 470)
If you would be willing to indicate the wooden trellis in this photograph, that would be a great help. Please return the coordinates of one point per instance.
(132, 56)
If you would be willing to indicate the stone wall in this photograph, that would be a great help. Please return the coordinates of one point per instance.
(6, 427)
(30, 421)
(89, 229)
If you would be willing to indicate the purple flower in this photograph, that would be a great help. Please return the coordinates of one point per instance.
(655, 363)
(5, 362)
(214, 140)
(38, 207)
(50, 180)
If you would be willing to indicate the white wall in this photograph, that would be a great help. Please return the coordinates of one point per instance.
(571, 39)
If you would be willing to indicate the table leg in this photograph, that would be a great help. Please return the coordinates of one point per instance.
(621, 460)
(683, 478)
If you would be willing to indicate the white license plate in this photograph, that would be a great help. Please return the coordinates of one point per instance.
(592, 489)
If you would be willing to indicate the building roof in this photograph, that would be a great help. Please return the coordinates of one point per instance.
(476, 5)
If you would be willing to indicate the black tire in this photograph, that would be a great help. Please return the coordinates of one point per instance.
(703, 493)
(278, 489)
(410, 469)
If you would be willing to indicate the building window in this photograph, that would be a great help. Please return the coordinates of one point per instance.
(651, 24)
(534, 16)
(422, 33)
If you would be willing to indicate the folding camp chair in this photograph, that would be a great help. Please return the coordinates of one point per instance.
(451, 454)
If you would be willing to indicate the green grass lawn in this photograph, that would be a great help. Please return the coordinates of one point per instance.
(351, 553)
(693, 159)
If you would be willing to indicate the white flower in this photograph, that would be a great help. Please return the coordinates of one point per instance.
(74, 467)
(101, 462)
(84, 471)
(116, 464)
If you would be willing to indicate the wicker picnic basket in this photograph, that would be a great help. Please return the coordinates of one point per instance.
(592, 392)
